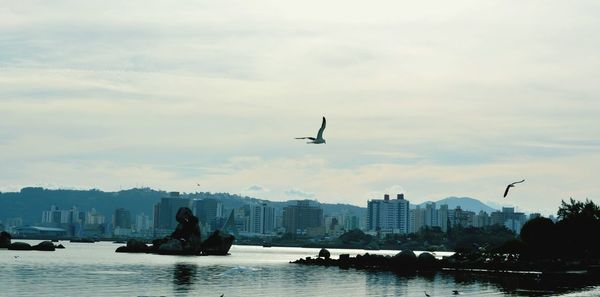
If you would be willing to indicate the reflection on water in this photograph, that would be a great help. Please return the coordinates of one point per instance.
(96, 270)
(183, 276)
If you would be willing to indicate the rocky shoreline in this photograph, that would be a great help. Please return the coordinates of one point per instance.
(409, 262)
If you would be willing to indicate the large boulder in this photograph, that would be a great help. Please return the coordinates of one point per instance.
(217, 243)
(172, 246)
(4, 239)
(406, 259)
(19, 246)
(426, 261)
(44, 246)
(133, 246)
(324, 253)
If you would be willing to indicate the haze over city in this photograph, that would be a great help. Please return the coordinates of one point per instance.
(432, 99)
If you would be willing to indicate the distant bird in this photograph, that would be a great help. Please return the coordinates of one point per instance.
(427, 294)
(510, 186)
(455, 292)
(16, 257)
(319, 138)
(222, 295)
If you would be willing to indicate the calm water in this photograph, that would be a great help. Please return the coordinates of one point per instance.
(94, 269)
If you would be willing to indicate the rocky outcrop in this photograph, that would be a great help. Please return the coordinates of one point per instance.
(133, 246)
(185, 240)
(4, 239)
(44, 246)
(23, 246)
(217, 243)
(324, 253)
(19, 246)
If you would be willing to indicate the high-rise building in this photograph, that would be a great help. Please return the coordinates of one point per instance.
(210, 213)
(93, 217)
(262, 219)
(388, 216)
(304, 219)
(122, 219)
(443, 217)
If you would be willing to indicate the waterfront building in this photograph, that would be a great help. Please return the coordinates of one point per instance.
(304, 219)
(262, 219)
(388, 216)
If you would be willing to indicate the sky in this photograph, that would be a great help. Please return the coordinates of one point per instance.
(431, 99)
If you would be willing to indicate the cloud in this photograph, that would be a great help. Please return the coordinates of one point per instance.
(296, 193)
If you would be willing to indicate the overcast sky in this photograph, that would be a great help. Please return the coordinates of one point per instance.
(433, 99)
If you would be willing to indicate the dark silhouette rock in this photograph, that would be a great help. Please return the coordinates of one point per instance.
(59, 246)
(185, 240)
(4, 239)
(133, 246)
(19, 246)
(405, 260)
(217, 243)
(426, 261)
(324, 253)
(44, 246)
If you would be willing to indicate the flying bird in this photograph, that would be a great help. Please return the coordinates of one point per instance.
(426, 294)
(455, 292)
(510, 186)
(319, 138)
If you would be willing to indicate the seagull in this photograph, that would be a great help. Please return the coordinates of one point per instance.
(455, 292)
(510, 186)
(427, 294)
(319, 138)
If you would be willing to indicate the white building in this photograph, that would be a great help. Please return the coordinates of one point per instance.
(388, 216)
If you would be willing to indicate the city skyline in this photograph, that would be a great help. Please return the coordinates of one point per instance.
(455, 100)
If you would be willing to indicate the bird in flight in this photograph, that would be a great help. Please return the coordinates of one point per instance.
(426, 294)
(510, 186)
(319, 138)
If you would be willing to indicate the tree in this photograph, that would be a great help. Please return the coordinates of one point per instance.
(539, 236)
(578, 228)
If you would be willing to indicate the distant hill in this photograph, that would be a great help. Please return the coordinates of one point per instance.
(465, 203)
(30, 202)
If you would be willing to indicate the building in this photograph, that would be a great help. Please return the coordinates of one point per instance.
(304, 219)
(40, 232)
(122, 219)
(509, 218)
(388, 216)
(210, 214)
(261, 219)
(71, 220)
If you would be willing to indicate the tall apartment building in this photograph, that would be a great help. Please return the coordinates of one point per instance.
(262, 219)
(388, 216)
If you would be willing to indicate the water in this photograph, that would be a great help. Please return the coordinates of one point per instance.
(94, 269)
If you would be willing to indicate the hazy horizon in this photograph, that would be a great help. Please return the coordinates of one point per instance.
(431, 99)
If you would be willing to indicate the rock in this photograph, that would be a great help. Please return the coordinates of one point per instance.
(133, 246)
(4, 239)
(405, 260)
(172, 246)
(324, 253)
(59, 246)
(217, 243)
(44, 246)
(426, 261)
(19, 246)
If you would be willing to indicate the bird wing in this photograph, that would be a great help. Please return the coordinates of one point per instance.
(506, 191)
(311, 138)
(518, 182)
(320, 134)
